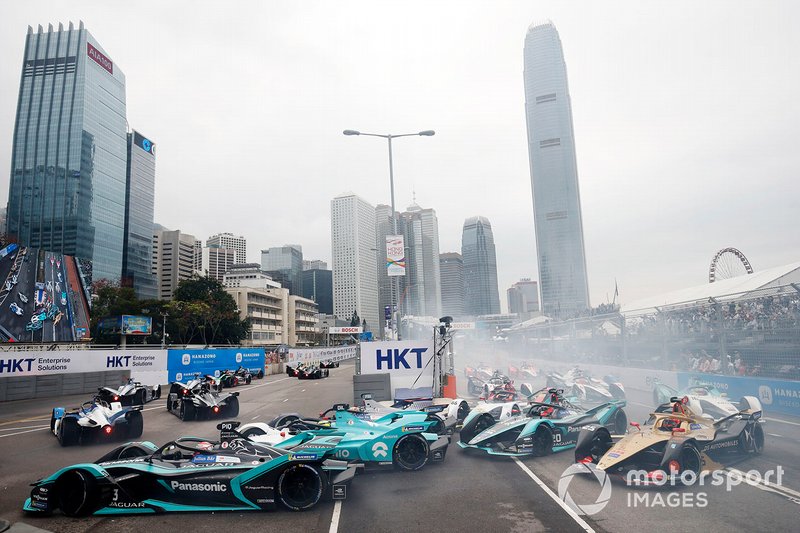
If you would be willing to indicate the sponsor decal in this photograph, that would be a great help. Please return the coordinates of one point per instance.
(765, 394)
(695, 426)
(396, 358)
(339, 492)
(186, 359)
(200, 459)
(224, 444)
(380, 449)
(720, 445)
(99, 58)
(238, 357)
(199, 487)
(302, 456)
(127, 505)
(413, 428)
(264, 500)
(124, 461)
(259, 487)
(614, 454)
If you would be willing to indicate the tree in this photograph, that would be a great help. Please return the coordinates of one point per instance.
(205, 313)
(354, 320)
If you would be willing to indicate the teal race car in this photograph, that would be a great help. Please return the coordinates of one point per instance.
(407, 440)
(541, 428)
(193, 474)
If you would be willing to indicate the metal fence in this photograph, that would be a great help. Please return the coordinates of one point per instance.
(753, 334)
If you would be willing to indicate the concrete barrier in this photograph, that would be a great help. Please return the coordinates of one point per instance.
(48, 385)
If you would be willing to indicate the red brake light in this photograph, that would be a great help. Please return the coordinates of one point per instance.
(674, 466)
(116, 398)
(216, 409)
(586, 460)
(107, 429)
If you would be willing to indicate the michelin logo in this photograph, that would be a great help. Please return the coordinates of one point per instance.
(765, 394)
(199, 487)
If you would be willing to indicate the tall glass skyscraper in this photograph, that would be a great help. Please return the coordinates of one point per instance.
(139, 205)
(554, 175)
(481, 296)
(68, 159)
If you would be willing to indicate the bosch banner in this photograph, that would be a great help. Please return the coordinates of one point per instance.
(184, 363)
(405, 361)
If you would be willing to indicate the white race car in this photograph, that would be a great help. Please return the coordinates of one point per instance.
(711, 401)
(130, 393)
(96, 421)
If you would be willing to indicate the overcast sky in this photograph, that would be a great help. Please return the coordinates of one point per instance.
(686, 121)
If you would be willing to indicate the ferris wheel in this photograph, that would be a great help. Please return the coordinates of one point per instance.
(728, 263)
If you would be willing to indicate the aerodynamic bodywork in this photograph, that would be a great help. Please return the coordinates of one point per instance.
(198, 399)
(96, 421)
(130, 393)
(711, 400)
(193, 474)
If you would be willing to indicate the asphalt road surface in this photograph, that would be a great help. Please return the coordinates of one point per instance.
(469, 492)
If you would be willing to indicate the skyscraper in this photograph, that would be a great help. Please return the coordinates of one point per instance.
(523, 298)
(139, 206)
(285, 264)
(388, 291)
(228, 240)
(451, 268)
(173, 259)
(318, 286)
(481, 296)
(421, 286)
(216, 261)
(554, 175)
(355, 281)
(68, 158)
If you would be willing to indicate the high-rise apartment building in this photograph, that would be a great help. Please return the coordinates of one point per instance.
(228, 240)
(481, 296)
(285, 264)
(554, 175)
(215, 262)
(173, 259)
(421, 286)
(68, 156)
(451, 269)
(355, 280)
(139, 207)
(523, 298)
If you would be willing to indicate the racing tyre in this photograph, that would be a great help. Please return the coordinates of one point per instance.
(232, 407)
(475, 426)
(79, 494)
(463, 411)
(260, 374)
(690, 460)
(187, 411)
(252, 432)
(284, 421)
(248, 380)
(596, 447)
(53, 421)
(157, 393)
(752, 440)
(410, 452)
(135, 425)
(299, 487)
(140, 398)
(69, 432)
(437, 426)
(620, 423)
(542, 441)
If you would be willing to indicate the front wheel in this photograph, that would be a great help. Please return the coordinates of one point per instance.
(620, 423)
(69, 431)
(157, 393)
(232, 407)
(253, 432)
(476, 426)
(79, 494)
(299, 487)
(542, 441)
(135, 425)
(411, 452)
(187, 411)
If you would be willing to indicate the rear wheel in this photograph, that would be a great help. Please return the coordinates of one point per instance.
(411, 452)
(260, 374)
(69, 431)
(187, 411)
(135, 425)
(53, 421)
(79, 494)
(620, 423)
(299, 487)
(157, 392)
(463, 411)
(476, 426)
(253, 432)
(140, 397)
(752, 440)
(248, 380)
(542, 441)
(599, 445)
(232, 407)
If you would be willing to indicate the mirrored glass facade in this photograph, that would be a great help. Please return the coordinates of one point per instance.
(68, 162)
(481, 296)
(554, 176)
(139, 205)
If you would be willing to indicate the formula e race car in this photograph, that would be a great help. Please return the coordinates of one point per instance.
(232, 378)
(329, 364)
(676, 439)
(577, 382)
(453, 412)
(712, 402)
(130, 393)
(398, 439)
(312, 372)
(96, 421)
(525, 371)
(192, 474)
(198, 399)
(544, 428)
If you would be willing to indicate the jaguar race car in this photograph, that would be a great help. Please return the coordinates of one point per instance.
(398, 440)
(678, 438)
(192, 474)
(711, 400)
(312, 372)
(130, 393)
(543, 428)
(96, 421)
(198, 399)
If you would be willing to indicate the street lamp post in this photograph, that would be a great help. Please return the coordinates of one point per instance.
(396, 282)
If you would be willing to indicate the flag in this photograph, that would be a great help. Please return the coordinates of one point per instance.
(616, 292)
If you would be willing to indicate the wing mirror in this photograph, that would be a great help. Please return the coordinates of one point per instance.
(636, 425)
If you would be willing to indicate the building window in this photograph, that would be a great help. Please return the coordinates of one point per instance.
(547, 143)
(546, 98)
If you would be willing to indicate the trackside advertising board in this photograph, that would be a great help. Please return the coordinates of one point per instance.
(404, 361)
(181, 364)
(775, 395)
(13, 364)
(308, 355)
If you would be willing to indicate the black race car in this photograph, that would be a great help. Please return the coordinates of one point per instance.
(198, 399)
(193, 474)
(232, 378)
(130, 393)
(312, 372)
(329, 364)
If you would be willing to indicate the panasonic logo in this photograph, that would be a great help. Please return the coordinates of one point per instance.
(200, 487)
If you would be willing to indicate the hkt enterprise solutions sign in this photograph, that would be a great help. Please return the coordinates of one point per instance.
(182, 364)
(99, 58)
(404, 361)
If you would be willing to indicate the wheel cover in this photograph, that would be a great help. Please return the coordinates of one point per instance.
(542, 441)
(412, 452)
(300, 486)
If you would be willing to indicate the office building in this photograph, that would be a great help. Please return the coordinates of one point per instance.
(318, 286)
(523, 298)
(314, 264)
(554, 176)
(139, 207)
(285, 265)
(68, 156)
(389, 287)
(451, 269)
(215, 262)
(228, 240)
(173, 259)
(355, 280)
(276, 317)
(422, 283)
(481, 296)
(248, 275)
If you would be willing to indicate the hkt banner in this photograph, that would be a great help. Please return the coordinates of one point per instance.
(775, 395)
(307, 355)
(14, 364)
(405, 361)
(181, 364)
(395, 255)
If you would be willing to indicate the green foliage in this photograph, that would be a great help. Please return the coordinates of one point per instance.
(202, 312)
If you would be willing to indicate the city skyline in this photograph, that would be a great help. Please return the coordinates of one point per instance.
(658, 141)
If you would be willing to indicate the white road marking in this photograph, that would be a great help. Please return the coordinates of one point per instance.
(766, 486)
(21, 432)
(774, 435)
(580, 521)
(642, 404)
(286, 400)
(782, 421)
(337, 512)
(303, 390)
(23, 427)
(255, 417)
